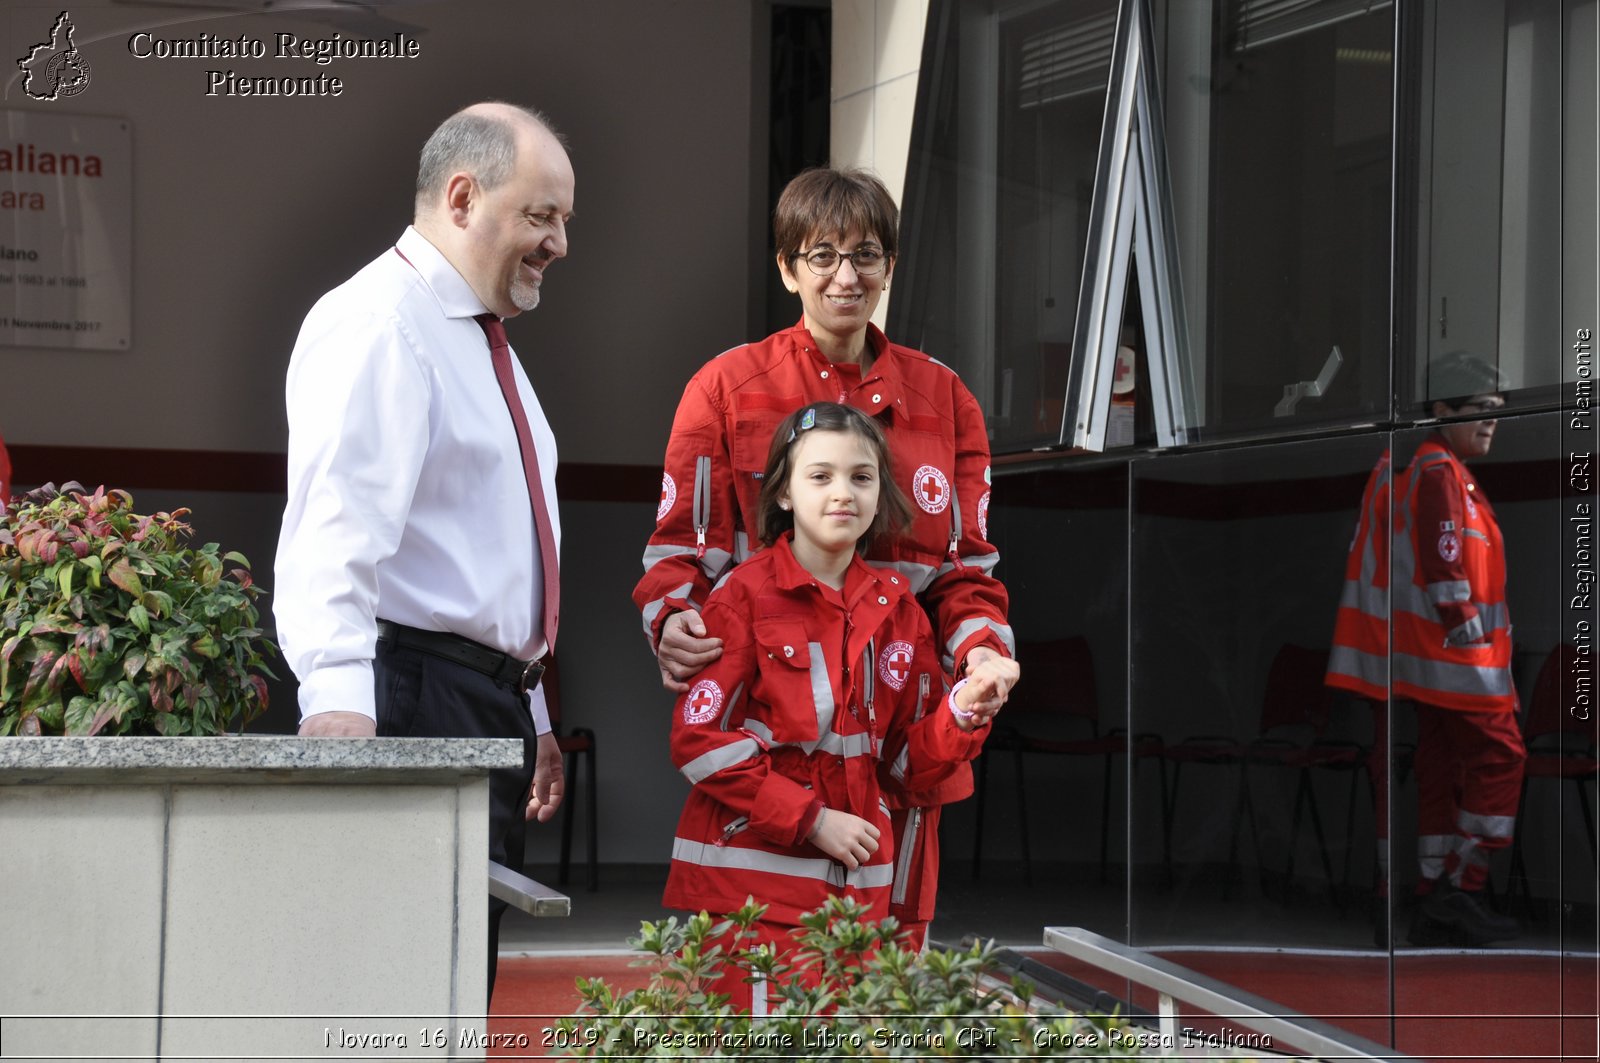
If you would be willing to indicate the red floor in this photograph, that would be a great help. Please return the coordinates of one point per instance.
(1528, 1007)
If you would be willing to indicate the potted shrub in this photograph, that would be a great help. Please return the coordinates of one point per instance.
(873, 999)
(112, 624)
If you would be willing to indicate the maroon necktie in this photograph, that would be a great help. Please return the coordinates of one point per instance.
(500, 355)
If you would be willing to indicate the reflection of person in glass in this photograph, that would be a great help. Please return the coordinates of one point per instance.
(1451, 654)
(1452, 657)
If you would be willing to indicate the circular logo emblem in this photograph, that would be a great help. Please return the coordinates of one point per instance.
(67, 74)
(1449, 546)
(983, 517)
(894, 664)
(669, 495)
(703, 703)
(931, 489)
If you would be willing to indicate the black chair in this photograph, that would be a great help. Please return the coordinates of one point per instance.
(578, 750)
(1058, 686)
(1560, 746)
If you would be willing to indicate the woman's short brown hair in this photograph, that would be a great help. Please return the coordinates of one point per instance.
(824, 202)
(772, 520)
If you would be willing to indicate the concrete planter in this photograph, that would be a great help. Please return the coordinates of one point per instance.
(244, 896)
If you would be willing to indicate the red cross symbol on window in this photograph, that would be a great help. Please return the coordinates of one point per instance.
(931, 489)
(900, 664)
(702, 702)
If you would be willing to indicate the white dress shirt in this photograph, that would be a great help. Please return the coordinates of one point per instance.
(406, 492)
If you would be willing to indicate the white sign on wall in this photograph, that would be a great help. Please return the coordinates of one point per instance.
(66, 219)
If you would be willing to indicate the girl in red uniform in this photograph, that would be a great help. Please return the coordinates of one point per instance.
(828, 687)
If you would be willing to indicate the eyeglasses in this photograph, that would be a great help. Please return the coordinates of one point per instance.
(1482, 406)
(824, 261)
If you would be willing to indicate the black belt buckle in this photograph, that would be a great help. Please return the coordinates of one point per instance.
(531, 676)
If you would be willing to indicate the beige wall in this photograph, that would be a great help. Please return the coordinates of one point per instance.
(246, 209)
(877, 52)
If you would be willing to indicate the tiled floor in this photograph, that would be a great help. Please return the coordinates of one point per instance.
(1006, 906)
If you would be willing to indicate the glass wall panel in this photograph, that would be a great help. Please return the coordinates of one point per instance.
(1504, 84)
(1278, 144)
(1052, 800)
(1280, 158)
(998, 192)
(1493, 869)
(1263, 837)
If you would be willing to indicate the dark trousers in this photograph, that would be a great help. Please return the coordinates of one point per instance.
(420, 696)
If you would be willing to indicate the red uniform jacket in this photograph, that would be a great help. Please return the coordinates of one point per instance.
(815, 691)
(1452, 631)
(1359, 660)
(940, 449)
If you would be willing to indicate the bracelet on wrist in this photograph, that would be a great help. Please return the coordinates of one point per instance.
(956, 710)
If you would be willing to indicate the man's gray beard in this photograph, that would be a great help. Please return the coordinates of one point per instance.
(524, 296)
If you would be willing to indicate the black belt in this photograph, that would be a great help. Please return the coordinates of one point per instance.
(501, 667)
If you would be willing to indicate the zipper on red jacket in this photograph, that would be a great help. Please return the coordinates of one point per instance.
(731, 829)
(955, 531)
(702, 503)
(869, 695)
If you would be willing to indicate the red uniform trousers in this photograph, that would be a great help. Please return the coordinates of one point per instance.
(1469, 782)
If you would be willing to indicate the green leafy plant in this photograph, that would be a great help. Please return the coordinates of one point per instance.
(112, 625)
(862, 996)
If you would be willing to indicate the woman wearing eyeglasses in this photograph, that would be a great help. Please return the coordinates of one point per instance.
(836, 234)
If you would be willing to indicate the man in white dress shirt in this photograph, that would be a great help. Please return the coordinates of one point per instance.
(410, 583)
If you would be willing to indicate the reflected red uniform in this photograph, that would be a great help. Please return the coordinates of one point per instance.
(1452, 655)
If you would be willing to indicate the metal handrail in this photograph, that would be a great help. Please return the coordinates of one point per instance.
(523, 893)
(1285, 1028)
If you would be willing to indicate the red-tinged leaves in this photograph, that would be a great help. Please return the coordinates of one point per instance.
(132, 662)
(125, 578)
(113, 624)
(79, 669)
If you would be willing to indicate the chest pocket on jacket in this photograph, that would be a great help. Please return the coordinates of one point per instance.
(784, 680)
(755, 419)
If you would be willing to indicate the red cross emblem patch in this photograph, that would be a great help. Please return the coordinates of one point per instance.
(1449, 546)
(894, 664)
(983, 517)
(703, 703)
(669, 495)
(931, 489)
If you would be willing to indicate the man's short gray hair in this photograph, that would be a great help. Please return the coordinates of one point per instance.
(479, 143)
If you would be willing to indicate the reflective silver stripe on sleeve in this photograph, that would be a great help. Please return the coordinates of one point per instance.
(984, 563)
(1452, 678)
(741, 547)
(1474, 533)
(1463, 634)
(653, 609)
(1447, 591)
(901, 761)
(734, 858)
(708, 764)
(654, 555)
(968, 628)
(919, 576)
(902, 859)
